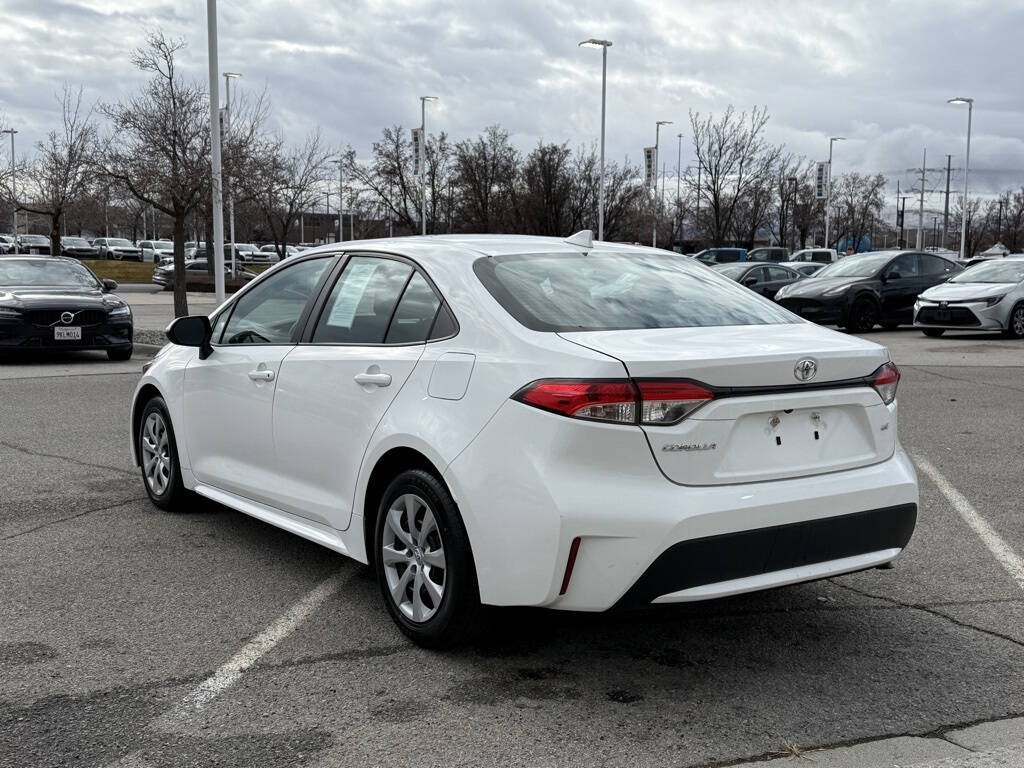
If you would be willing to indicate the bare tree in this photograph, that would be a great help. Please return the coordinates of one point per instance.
(857, 201)
(160, 146)
(63, 168)
(483, 168)
(286, 183)
(734, 158)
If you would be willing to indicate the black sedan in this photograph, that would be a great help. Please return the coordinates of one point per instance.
(862, 291)
(762, 278)
(77, 247)
(58, 303)
(198, 276)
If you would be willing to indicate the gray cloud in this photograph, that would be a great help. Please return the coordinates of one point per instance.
(876, 72)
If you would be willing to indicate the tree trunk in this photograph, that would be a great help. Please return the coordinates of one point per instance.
(55, 234)
(180, 299)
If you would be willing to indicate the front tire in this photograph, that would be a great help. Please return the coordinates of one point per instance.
(933, 332)
(158, 456)
(863, 316)
(1015, 323)
(423, 561)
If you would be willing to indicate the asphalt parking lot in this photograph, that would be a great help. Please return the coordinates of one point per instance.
(131, 637)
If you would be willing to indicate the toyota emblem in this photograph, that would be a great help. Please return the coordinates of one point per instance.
(67, 317)
(805, 369)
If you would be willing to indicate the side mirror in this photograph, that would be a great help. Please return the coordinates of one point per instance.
(192, 331)
(750, 282)
(109, 285)
(893, 275)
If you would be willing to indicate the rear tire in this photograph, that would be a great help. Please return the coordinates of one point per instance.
(863, 316)
(122, 353)
(1015, 323)
(158, 457)
(933, 332)
(423, 562)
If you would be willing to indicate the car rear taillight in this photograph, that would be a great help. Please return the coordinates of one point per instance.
(651, 402)
(885, 380)
(592, 399)
(663, 401)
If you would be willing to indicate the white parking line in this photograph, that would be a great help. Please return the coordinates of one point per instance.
(229, 672)
(1002, 551)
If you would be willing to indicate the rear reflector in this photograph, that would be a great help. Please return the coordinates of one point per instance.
(663, 401)
(574, 549)
(885, 381)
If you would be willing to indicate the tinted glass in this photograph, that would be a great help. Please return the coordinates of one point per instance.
(74, 242)
(754, 274)
(856, 266)
(904, 265)
(119, 242)
(362, 302)
(615, 291)
(269, 312)
(415, 313)
(444, 324)
(38, 272)
(778, 273)
(933, 266)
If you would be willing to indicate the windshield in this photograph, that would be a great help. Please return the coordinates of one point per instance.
(163, 245)
(75, 242)
(856, 266)
(55, 273)
(618, 291)
(998, 272)
(732, 271)
(34, 239)
(119, 242)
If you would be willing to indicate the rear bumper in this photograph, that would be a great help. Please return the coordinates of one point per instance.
(531, 483)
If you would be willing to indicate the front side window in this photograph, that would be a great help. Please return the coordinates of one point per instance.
(933, 266)
(601, 291)
(269, 312)
(904, 266)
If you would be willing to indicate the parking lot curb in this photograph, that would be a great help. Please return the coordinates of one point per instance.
(148, 349)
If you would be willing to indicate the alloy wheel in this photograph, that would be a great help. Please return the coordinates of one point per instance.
(412, 553)
(156, 454)
(1017, 322)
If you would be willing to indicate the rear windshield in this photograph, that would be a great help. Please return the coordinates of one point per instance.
(619, 291)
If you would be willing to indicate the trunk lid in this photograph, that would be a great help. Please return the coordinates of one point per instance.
(764, 423)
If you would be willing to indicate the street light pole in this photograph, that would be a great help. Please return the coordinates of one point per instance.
(14, 192)
(423, 155)
(227, 177)
(341, 197)
(967, 168)
(657, 207)
(604, 45)
(215, 165)
(828, 186)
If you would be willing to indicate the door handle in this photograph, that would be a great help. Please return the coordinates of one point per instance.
(373, 379)
(261, 374)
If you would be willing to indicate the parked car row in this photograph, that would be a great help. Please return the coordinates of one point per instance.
(776, 254)
(891, 288)
(118, 248)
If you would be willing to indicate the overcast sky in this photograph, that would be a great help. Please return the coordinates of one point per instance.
(878, 73)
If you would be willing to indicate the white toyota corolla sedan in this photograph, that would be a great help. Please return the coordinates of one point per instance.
(512, 420)
(988, 296)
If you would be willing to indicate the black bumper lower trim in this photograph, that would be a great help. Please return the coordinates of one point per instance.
(715, 559)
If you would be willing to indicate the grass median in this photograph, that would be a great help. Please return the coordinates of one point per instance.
(136, 272)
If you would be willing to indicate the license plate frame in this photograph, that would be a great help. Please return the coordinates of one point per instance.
(67, 333)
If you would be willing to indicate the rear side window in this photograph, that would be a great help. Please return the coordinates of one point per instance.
(932, 266)
(361, 304)
(622, 290)
(779, 273)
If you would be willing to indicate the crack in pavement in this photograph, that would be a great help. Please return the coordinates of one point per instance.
(925, 608)
(75, 516)
(947, 377)
(78, 462)
(935, 733)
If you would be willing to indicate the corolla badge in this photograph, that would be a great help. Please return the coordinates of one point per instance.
(805, 369)
(687, 447)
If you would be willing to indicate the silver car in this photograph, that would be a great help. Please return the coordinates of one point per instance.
(985, 297)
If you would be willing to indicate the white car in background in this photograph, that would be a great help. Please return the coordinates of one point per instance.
(514, 420)
(986, 297)
(156, 250)
(821, 255)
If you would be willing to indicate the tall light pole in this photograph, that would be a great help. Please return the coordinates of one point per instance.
(604, 45)
(657, 207)
(828, 186)
(14, 192)
(227, 179)
(967, 168)
(679, 179)
(215, 174)
(340, 162)
(423, 155)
